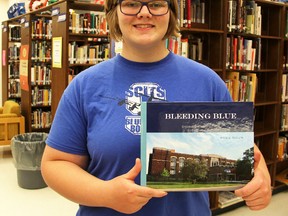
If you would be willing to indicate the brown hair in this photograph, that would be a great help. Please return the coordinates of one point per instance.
(114, 29)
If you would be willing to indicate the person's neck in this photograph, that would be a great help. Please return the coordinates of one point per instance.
(144, 54)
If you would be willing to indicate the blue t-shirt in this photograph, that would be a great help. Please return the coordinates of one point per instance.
(99, 116)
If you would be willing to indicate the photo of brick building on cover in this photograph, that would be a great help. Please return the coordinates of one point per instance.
(220, 168)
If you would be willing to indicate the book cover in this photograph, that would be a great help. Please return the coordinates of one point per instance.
(197, 146)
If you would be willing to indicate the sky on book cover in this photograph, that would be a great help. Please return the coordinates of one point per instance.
(230, 145)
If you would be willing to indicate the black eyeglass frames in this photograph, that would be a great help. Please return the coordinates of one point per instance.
(155, 8)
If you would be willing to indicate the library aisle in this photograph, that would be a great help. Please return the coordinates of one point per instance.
(16, 201)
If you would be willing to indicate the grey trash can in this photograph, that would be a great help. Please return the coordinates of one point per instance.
(27, 150)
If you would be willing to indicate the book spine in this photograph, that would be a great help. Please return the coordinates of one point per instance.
(143, 143)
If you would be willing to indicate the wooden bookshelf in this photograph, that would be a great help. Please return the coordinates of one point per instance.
(62, 29)
(11, 42)
(268, 70)
(36, 110)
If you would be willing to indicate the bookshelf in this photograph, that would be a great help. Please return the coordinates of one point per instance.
(11, 42)
(67, 26)
(61, 24)
(35, 97)
(236, 50)
(212, 31)
(282, 151)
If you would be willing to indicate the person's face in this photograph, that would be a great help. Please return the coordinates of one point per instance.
(143, 28)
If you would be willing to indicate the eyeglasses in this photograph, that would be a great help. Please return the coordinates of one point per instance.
(133, 7)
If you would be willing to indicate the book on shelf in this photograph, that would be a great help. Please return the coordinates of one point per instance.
(196, 146)
(243, 53)
(93, 22)
(284, 117)
(282, 153)
(282, 177)
(286, 26)
(232, 11)
(191, 12)
(228, 198)
(234, 84)
(244, 16)
(284, 88)
(242, 87)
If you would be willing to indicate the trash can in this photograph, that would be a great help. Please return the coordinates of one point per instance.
(27, 150)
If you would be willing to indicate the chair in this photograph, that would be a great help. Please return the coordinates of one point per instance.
(11, 122)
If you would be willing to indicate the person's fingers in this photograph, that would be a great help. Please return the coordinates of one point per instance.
(134, 171)
(257, 158)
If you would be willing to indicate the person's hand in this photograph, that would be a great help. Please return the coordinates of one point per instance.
(127, 197)
(257, 193)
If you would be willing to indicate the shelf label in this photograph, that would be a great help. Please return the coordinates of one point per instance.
(61, 17)
(4, 28)
(22, 20)
(26, 24)
(57, 52)
(55, 11)
(4, 57)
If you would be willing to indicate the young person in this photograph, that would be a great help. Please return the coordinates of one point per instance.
(93, 148)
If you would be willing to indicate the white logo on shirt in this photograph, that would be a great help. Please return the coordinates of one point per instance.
(137, 93)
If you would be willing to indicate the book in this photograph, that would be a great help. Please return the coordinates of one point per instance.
(282, 151)
(282, 177)
(227, 198)
(196, 146)
(234, 77)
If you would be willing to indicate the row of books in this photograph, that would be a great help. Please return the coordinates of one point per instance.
(242, 87)
(244, 16)
(40, 74)
(14, 52)
(174, 45)
(13, 70)
(285, 56)
(192, 48)
(91, 54)
(284, 117)
(41, 97)
(191, 11)
(88, 23)
(14, 33)
(14, 89)
(41, 51)
(41, 28)
(41, 119)
(243, 53)
(189, 47)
